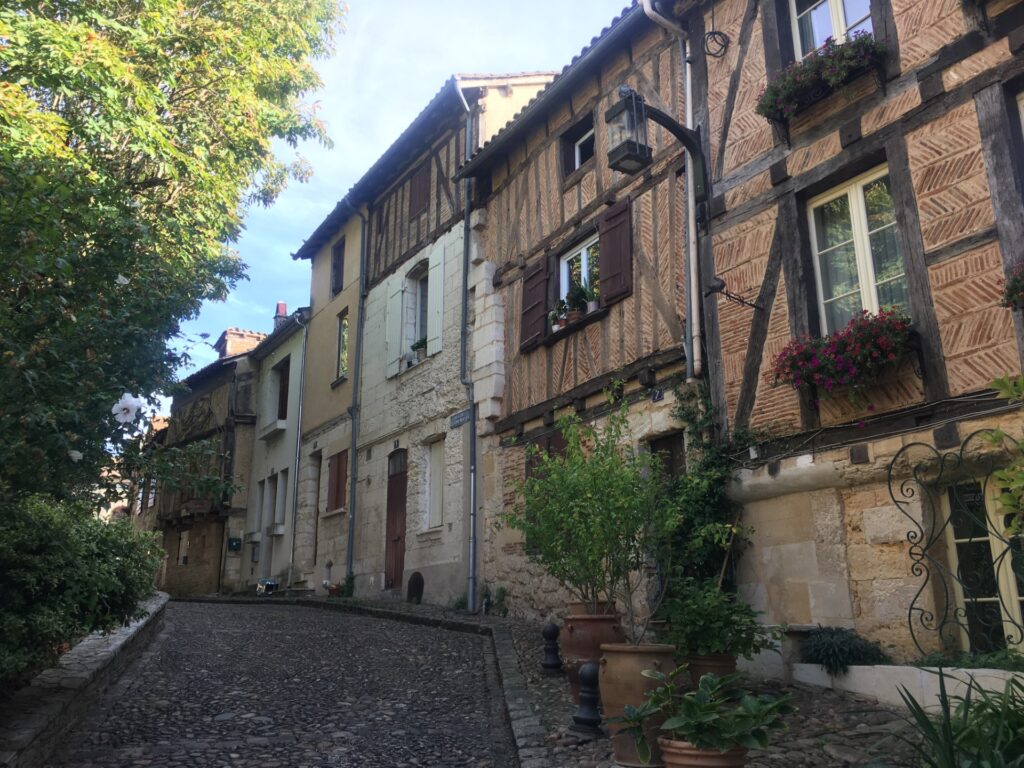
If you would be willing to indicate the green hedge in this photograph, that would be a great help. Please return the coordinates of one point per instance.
(63, 574)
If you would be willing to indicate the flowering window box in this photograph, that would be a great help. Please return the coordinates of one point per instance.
(818, 75)
(869, 366)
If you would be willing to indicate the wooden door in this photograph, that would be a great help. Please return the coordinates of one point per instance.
(394, 548)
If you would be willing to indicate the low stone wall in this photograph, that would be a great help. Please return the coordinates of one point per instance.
(33, 721)
(884, 682)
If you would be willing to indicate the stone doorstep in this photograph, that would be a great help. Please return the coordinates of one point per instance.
(33, 719)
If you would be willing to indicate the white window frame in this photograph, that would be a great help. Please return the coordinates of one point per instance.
(861, 242)
(1008, 598)
(576, 148)
(1020, 109)
(840, 25)
(581, 250)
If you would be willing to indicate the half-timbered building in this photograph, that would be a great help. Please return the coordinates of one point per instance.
(395, 502)
(558, 218)
(899, 188)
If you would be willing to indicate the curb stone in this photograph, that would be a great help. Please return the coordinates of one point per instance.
(33, 720)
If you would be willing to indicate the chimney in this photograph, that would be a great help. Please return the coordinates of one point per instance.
(235, 341)
(281, 316)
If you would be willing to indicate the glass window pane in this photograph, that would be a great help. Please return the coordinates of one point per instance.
(893, 295)
(815, 24)
(856, 10)
(839, 312)
(832, 223)
(985, 627)
(863, 27)
(1017, 562)
(967, 511)
(878, 203)
(885, 254)
(575, 265)
(594, 266)
(976, 572)
(839, 271)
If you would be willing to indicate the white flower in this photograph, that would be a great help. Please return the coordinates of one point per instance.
(75, 455)
(121, 280)
(126, 408)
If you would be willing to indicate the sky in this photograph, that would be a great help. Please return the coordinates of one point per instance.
(392, 58)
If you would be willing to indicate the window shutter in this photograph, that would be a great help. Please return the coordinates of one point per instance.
(393, 327)
(534, 317)
(332, 483)
(615, 226)
(435, 298)
(340, 496)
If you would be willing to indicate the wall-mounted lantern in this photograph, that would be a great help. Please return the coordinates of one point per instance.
(628, 150)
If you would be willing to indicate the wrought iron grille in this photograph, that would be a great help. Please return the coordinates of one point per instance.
(966, 545)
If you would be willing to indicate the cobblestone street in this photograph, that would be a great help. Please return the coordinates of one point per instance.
(286, 686)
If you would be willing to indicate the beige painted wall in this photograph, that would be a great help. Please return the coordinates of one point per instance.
(324, 402)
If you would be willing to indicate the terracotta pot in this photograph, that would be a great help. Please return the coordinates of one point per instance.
(583, 609)
(682, 754)
(574, 316)
(622, 683)
(581, 640)
(719, 664)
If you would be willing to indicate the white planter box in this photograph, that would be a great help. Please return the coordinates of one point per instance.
(884, 681)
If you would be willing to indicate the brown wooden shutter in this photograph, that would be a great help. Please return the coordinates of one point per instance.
(342, 475)
(337, 472)
(535, 308)
(615, 226)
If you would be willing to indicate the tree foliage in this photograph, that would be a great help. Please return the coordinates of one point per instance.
(133, 137)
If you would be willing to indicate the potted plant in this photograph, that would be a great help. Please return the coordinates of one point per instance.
(420, 348)
(848, 360)
(557, 315)
(711, 726)
(593, 303)
(818, 75)
(592, 515)
(576, 300)
(712, 627)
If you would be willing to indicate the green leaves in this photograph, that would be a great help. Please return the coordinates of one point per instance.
(131, 138)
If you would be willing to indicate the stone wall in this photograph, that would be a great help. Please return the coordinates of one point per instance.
(409, 411)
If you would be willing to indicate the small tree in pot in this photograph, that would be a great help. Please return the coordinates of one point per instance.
(712, 626)
(592, 516)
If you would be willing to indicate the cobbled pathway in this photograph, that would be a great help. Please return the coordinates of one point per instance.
(291, 687)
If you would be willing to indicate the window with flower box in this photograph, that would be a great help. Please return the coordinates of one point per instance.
(580, 266)
(857, 260)
(815, 21)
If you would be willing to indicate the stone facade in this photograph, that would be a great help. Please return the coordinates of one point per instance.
(268, 528)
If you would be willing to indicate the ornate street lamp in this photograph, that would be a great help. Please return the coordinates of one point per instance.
(629, 151)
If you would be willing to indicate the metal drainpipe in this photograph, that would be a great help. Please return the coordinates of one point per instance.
(354, 408)
(298, 445)
(694, 361)
(464, 376)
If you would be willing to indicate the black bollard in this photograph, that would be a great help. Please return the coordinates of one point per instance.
(587, 718)
(552, 663)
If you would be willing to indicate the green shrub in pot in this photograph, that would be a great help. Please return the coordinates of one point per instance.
(717, 716)
(701, 619)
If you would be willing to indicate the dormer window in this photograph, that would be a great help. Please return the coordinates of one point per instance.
(815, 21)
(578, 145)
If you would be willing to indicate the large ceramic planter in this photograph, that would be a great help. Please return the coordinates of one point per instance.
(622, 682)
(682, 754)
(581, 640)
(718, 664)
(583, 609)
